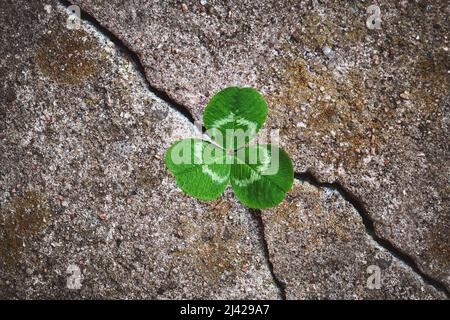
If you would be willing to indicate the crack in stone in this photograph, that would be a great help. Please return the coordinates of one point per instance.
(256, 214)
(306, 176)
(370, 229)
(135, 60)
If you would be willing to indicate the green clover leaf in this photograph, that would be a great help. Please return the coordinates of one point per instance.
(260, 174)
(241, 111)
(262, 183)
(200, 168)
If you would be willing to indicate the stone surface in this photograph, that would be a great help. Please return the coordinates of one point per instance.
(320, 250)
(83, 185)
(366, 108)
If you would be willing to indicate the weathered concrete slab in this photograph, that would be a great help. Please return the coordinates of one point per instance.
(83, 185)
(320, 250)
(367, 108)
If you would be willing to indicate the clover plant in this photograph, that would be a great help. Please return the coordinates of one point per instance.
(259, 174)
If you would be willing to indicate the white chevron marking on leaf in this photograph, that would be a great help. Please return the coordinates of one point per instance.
(214, 176)
(218, 123)
(254, 176)
(251, 126)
